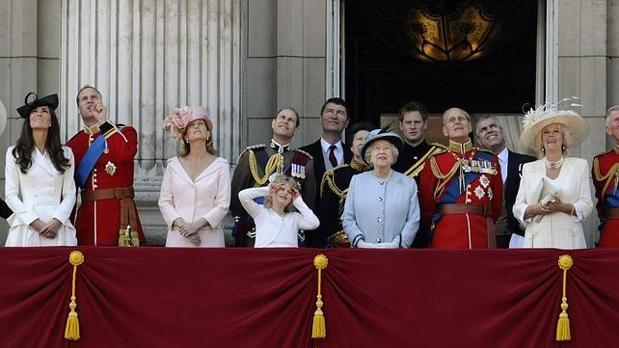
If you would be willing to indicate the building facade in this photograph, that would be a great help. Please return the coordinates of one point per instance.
(244, 60)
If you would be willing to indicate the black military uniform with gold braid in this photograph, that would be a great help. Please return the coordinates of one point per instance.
(412, 158)
(255, 165)
(411, 161)
(333, 190)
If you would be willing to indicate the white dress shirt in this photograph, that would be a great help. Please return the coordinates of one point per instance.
(339, 153)
(503, 160)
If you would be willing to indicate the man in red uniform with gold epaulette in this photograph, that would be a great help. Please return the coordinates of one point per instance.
(461, 189)
(104, 155)
(605, 179)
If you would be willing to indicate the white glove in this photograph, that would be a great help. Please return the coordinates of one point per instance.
(362, 244)
(365, 245)
(386, 245)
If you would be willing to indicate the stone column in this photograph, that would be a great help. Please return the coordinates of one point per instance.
(147, 57)
(29, 54)
(612, 67)
(285, 66)
(583, 73)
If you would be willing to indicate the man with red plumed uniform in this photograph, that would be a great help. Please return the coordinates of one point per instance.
(605, 178)
(461, 190)
(104, 155)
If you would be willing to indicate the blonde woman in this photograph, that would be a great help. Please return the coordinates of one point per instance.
(283, 214)
(195, 191)
(554, 196)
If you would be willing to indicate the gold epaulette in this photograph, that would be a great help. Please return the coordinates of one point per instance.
(440, 146)
(417, 167)
(305, 153)
(257, 146)
(113, 131)
(329, 178)
(251, 147)
(606, 178)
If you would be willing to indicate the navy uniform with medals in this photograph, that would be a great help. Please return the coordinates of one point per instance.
(411, 161)
(255, 165)
(333, 190)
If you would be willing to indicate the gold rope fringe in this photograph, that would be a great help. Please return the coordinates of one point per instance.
(563, 325)
(72, 329)
(319, 329)
(274, 164)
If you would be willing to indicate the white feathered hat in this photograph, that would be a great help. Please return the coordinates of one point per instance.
(536, 119)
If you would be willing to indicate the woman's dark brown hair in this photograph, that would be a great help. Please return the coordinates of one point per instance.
(25, 146)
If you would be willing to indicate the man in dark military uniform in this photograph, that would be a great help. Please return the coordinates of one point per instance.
(258, 162)
(334, 187)
(413, 124)
(415, 151)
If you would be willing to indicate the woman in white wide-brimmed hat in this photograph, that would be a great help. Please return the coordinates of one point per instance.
(554, 196)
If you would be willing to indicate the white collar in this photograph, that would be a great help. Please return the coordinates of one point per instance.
(503, 155)
(325, 145)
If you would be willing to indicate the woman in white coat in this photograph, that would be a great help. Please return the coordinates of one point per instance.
(554, 195)
(39, 179)
(195, 192)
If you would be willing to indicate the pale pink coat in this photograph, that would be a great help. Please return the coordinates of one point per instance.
(208, 197)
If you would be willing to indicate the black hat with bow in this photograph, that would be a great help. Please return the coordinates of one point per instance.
(50, 100)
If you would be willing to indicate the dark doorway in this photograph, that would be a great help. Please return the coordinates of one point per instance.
(384, 67)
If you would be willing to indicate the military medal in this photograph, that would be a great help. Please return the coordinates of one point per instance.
(297, 171)
(484, 181)
(110, 168)
(479, 192)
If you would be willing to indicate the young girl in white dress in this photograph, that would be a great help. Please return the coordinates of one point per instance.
(277, 222)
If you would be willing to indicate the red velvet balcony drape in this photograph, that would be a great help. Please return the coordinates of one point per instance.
(156, 297)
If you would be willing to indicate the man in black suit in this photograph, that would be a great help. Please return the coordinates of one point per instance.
(329, 151)
(490, 135)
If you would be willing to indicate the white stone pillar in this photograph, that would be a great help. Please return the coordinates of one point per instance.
(146, 57)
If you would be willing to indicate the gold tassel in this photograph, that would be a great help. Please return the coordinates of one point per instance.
(563, 325)
(319, 329)
(72, 329)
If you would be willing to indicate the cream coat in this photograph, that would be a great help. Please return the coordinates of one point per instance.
(207, 197)
(42, 193)
(557, 230)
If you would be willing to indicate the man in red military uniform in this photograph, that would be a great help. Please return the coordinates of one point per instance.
(461, 189)
(605, 179)
(104, 155)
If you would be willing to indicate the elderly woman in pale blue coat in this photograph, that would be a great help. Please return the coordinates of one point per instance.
(381, 209)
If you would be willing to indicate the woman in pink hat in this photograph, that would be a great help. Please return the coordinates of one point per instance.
(195, 192)
(554, 197)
